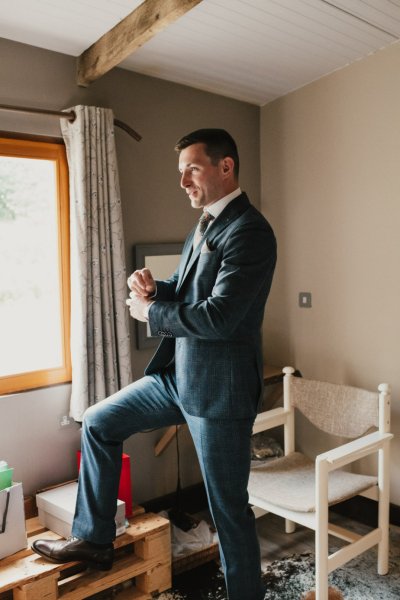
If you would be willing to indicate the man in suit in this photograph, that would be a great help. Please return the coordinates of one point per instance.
(207, 371)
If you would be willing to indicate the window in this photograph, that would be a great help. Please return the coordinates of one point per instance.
(34, 265)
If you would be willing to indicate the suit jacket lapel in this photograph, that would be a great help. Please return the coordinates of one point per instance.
(231, 212)
(186, 256)
(189, 263)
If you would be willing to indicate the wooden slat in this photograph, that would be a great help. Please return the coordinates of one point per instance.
(166, 439)
(194, 559)
(137, 510)
(93, 582)
(141, 527)
(128, 35)
(42, 589)
(343, 555)
(17, 570)
(33, 526)
(270, 372)
(157, 579)
(25, 566)
(30, 507)
(342, 533)
(152, 545)
(133, 594)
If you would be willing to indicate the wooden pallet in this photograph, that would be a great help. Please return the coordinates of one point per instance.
(195, 559)
(143, 553)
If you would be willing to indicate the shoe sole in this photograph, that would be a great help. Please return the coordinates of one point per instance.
(104, 566)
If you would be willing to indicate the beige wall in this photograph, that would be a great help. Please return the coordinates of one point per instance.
(330, 155)
(155, 210)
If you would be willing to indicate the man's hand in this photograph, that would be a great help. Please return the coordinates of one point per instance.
(143, 287)
(138, 306)
(141, 282)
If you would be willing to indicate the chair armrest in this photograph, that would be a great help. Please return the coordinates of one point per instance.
(354, 450)
(270, 418)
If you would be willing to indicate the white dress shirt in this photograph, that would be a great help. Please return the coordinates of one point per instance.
(217, 207)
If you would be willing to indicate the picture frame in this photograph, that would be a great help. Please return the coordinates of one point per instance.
(162, 259)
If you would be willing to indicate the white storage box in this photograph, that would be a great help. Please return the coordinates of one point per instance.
(57, 508)
(12, 520)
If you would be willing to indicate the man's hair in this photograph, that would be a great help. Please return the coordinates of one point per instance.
(218, 144)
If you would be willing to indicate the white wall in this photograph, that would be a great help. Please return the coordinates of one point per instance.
(32, 441)
(330, 155)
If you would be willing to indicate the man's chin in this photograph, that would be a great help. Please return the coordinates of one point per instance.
(195, 202)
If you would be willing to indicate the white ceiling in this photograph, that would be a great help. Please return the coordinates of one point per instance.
(252, 50)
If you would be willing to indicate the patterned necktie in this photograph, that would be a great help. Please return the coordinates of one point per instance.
(204, 220)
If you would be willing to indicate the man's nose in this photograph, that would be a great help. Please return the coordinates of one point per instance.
(185, 180)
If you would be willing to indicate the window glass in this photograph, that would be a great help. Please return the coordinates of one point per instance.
(33, 319)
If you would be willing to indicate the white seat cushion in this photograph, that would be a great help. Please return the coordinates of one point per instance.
(289, 482)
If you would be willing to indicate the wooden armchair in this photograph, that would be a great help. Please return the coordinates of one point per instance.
(301, 490)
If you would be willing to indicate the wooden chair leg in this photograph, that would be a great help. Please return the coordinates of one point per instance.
(383, 514)
(321, 533)
(290, 526)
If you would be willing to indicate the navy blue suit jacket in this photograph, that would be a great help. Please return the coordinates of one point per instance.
(210, 314)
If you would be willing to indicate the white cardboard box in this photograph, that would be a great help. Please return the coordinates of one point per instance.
(57, 508)
(12, 519)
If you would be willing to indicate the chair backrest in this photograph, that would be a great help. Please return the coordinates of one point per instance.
(336, 409)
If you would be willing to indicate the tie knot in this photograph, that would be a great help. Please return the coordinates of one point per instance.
(204, 220)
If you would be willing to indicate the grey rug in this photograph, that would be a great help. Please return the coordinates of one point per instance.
(288, 579)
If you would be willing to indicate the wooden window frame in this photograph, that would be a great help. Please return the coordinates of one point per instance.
(28, 148)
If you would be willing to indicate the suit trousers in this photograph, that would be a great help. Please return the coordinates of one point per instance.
(223, 450)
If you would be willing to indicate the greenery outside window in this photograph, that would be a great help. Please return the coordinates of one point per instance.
(34, 265)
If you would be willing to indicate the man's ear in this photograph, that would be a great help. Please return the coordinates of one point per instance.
(227, 165)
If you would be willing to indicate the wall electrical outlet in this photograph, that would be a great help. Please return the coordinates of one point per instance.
(305, 299)
(65, 421)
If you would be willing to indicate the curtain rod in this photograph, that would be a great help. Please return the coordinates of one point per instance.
(71, 116)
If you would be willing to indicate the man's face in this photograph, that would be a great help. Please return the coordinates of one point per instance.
(203, 181)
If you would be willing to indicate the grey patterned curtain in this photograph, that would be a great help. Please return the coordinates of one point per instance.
(100, 344)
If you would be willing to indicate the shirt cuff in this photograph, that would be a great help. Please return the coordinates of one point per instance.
(146, 310)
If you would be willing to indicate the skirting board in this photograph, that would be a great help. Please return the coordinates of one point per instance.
(365, 511)
(193, 499)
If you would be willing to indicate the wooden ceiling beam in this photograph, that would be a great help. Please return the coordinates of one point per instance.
(128, 35)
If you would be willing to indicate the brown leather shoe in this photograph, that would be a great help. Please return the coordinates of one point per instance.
(75, 549)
